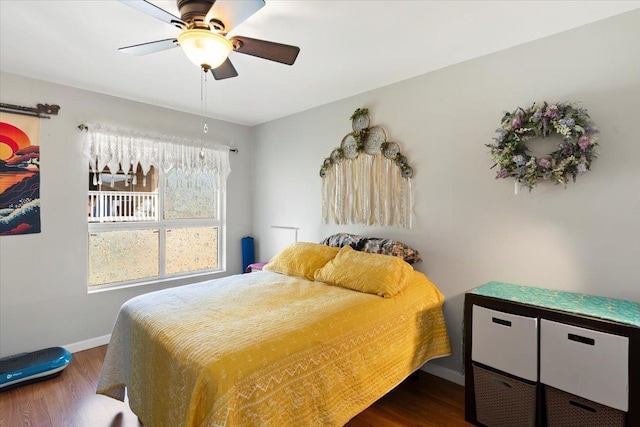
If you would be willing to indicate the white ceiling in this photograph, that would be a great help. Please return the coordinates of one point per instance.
(347, 47)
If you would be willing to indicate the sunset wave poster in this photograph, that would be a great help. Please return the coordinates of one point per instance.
(19, 174)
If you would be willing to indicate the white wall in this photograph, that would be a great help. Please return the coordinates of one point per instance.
(469, 227)
(43, 277)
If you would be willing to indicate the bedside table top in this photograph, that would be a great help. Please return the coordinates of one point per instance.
(621, 311)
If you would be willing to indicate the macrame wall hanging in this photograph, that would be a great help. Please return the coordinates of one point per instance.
(366, 180)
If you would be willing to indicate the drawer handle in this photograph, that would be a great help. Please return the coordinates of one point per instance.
(500, 382)
(583, 340)
(581, 406)
(501, 321)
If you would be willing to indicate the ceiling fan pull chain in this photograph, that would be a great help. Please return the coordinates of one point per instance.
(203, 98)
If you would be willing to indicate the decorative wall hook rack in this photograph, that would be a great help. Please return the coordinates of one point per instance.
(40, 111)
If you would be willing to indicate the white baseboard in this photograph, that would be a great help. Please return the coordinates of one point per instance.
(87, 344)
(442, 372)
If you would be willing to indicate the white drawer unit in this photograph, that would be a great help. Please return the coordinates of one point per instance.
(576, 355)
(587, 363)
(506, 342)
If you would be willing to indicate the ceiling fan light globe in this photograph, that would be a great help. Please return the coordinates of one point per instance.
(205, 48)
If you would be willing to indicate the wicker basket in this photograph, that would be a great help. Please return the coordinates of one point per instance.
(568, 410)
(502, 401)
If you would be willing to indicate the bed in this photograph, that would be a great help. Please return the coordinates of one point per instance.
(315, 338)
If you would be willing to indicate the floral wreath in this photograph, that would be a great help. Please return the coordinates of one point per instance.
(573, 156)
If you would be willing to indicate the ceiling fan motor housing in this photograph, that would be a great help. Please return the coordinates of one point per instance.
(194, 12)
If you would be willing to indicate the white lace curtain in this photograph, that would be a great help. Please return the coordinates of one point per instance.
(116, 149)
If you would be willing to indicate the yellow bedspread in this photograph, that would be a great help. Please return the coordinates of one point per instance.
(266, 349)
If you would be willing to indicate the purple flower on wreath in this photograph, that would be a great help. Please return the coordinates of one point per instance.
(583, 142)
(552, 111)
(516, 123)
(568, 122)
(545, 124)
(581, 168)
(503, 173)
(544, 162)
(500, 134)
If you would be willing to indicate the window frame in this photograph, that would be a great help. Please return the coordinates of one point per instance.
(162, 225)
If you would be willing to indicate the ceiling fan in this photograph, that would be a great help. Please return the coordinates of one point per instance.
(204, 25)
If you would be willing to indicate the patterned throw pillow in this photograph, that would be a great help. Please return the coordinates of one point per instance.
(374, 245)
(339, 240)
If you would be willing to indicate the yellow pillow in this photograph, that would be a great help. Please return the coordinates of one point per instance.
(301, 259)
(383, 275)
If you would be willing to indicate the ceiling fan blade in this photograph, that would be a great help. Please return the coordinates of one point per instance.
(153, 10)
(151, 47)
(224, 71)
(233, 12)
(278, 52)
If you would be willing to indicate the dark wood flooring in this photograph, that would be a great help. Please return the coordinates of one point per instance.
(69, 400)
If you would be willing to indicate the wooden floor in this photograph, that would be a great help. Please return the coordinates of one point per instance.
(69, 400)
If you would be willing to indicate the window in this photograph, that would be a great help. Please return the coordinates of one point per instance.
(123, 197)
(165, 220)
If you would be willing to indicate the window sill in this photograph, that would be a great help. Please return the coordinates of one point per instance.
(170, 281)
